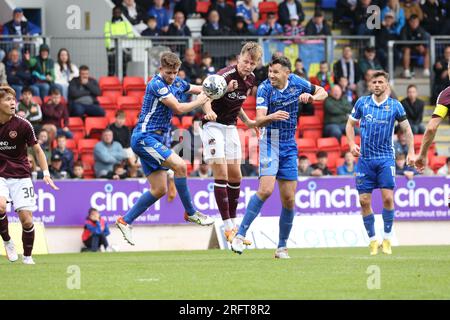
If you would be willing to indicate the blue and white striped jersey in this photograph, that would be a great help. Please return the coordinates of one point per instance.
(286, 99)
(154, 114)
(377, 123)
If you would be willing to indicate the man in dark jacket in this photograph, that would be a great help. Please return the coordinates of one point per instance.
(414, 110)
(18, 74)
(317, 25)
(178, 27)
(226, 12)
(83, 93)
(213, 27)
(289, 8)
(414, 32)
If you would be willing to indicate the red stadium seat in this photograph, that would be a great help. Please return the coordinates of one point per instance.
(202, 7)
(344, 143)
(311, 157)
(186, 121)
(176, 122)
(128, 103)
(110, 86)
(437, 162)
(134, 86)
(107, 103)
(37, 99)
(249, 103)
(266, 7)
(132, 118)
(86, 145)
(88, 165)
(310, 127)
(76, 126)
(95, 125)
(417, 142)
(332, 147)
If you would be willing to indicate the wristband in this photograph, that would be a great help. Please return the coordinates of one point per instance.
(46, 173)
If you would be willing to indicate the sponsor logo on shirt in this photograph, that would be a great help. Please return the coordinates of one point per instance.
(4, 145)
(260, 100)
(163, 91)
(13, 134)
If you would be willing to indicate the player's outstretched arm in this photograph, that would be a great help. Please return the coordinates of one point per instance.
(406, 127)
(210, 115)
(350, 133)
(319, 95)
(180, 108)
(427, 140)
(42, 161)
(195, 89)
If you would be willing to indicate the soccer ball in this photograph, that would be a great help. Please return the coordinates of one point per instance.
(214, 86)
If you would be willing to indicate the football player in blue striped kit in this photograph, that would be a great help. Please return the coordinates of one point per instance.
(277, 106)
(159, 104)
(377, 114)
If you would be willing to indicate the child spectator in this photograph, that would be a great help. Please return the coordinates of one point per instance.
(95, 232)
(152, 28)
(324, 78)
(78, 171)
(402, 169)
(55, 113)
(30, 110)
(304, 168)
(207, 66)
(65, 154)
(321, 167)
(348, 168)
(118, 172)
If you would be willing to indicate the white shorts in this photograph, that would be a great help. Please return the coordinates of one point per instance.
(20, 192)
(221, 142)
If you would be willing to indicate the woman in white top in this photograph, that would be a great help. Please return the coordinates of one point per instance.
(65, 71)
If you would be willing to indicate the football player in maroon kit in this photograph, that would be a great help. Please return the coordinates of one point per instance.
(221, 143)
(16, 134)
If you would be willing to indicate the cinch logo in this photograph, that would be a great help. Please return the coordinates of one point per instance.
(411, 197)
(346, 197)
(113, 201)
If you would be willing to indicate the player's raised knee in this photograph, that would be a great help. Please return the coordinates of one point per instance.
(159, 191)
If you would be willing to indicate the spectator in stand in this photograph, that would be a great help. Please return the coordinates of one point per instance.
(250, 13)
(29, 109)
(18, 28)
(414, 109)
(240, 27)
(401, 146)
(386, 33)
(289, 8)
(65, 154)
(414, 32)
(203, 171)
(192, 69)
(117, 27)
(122, 134)
(347, 92)
(399, 15)
(345, 11)
(161, 13)
(65, 71)
(444, 170)
(45, 145)
(433, 17)
(402, 169)
(214, 27)
(3, 77)
(412, 7)
(348, 68)
(321, 167)
(42, 70)
(363, 85)
(54, 113)
(118, 172)
(441, 76)
(361, 15)
(78, 171)
(107, 153)
(95, 232)
(369, 61)
(299, 68)
(270, 27)
(207, 65)
(178, 27)
(152, 28)
(18, 74)
(134, 13)
(294, 29)
(249, 169)
(36, 172)
(317, 25)
(336, 112)
(304, 167)
(55, 168)
(226, 12)
(83, 93)
(324, 77)
(348, 168)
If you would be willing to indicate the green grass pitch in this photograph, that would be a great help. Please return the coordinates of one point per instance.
(421, 272)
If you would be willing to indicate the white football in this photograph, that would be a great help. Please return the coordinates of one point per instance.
(215, 86)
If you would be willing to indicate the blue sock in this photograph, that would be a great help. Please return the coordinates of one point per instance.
(185, 195)
(286, 219)
(369, 223)
(254, 206)
(388, 219)
(143, 203)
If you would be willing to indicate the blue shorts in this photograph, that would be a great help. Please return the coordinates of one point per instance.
(151, 150)
(375, 174)
(279, 159)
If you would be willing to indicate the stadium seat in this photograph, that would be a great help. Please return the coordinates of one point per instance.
(76, 126)
(344, 143)
(94, 126)
(251, 113)
(202, 7)
(186, 121)
(249, 103)
(86, 146)
(332, 147)
(110, 86)
(128, 103)
(37, 99)
(310, 127)
(134, 86)
(132, 118)
(437, 162)
(176, 122)
(266, 7)
(311, 157)
(107, 103)
(417, 142)
(307, 147)
(88, 165)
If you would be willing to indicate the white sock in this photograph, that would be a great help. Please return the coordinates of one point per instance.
(233, 221)
(373, 238)
(228, 224)
(388, 236)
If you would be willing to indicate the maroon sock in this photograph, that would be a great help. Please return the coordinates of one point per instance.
(4, 227)
(221, 194)
(233, 188)
(28, 240)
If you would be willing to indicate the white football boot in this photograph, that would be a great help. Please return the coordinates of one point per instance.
(10, 249)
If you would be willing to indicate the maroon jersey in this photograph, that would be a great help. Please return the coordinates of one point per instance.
(227, 108)
(15, 136)
(442, 104)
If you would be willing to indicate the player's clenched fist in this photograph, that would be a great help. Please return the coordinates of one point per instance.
(211, 116)
(279, 115)
(420, 163)
(232, 85)
(355, 150)
(306, 98)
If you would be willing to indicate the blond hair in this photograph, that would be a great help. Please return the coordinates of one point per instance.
(253, 49)
(5, 90)
(170, 60)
